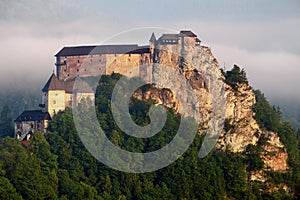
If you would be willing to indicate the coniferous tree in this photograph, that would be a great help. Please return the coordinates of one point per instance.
(6, 122)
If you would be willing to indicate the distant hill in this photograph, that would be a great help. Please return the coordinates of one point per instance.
(290, 109)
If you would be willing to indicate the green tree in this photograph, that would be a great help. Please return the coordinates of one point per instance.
(6, 122)
(7, 190)
(235, 76)
(24, 171)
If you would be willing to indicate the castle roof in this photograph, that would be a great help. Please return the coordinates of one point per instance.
(152, 38)
(101, 49)
(33, 115)
(169, 37)
(81, 86)
(53, 84)
(187, 33)
(184, 33)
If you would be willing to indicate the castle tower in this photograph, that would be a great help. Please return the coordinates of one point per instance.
(54, 95)
(152, 47)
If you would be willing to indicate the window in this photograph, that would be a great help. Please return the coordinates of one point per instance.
(78, 61)
(54, 102)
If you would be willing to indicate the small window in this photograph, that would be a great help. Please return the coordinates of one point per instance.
(54, 102)
(77, 70)
(78, 61)
(129, 55)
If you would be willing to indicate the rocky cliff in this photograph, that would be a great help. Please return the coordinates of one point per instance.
(201, 70)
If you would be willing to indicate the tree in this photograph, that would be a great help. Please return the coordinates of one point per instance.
(7, 190)
(234, 76)
(6, 125)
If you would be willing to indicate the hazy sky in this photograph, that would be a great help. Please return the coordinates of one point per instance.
(260, 36)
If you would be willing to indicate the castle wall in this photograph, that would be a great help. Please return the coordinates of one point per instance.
(84, 65)
(56, 101)
(26, 126)
(70, 67)
(68, 100)
(80, 96)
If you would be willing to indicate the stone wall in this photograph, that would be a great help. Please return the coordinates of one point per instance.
(93, 65)
(55, 101)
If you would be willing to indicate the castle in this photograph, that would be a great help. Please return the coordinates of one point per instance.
(85, 61)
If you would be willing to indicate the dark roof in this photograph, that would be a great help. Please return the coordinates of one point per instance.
(33, 115)
(81, 86)
(101, 49)
(169, 37)
(188, 33)
(141, 49)
(197, 40)
(53, 84)
(152, 38)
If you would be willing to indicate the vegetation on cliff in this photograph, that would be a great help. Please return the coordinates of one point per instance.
(59, 167)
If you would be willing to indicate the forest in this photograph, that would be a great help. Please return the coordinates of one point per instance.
(58, 166)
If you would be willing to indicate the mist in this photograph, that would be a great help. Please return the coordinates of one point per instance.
(262, 42)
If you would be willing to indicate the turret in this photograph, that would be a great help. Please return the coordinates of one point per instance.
(152, 46)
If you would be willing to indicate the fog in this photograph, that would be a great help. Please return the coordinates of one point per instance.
(263, 41)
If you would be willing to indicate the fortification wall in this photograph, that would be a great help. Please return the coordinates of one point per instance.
(94, 65)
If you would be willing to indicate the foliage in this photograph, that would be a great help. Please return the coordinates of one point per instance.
(58, 166)
(269, 118)
(266, 115)
(235, 76)
(6, 122)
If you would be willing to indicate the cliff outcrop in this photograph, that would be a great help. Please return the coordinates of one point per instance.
(201, 70)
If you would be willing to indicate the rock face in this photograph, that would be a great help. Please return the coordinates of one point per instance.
(213, 99)
(274, 154)
(239, 115)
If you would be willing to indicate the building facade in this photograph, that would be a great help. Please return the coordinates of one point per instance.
(29, 122)
(86, 61)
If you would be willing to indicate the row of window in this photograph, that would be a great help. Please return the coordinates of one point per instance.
(170, 41)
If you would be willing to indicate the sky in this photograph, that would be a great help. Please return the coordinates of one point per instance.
(260, 36)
